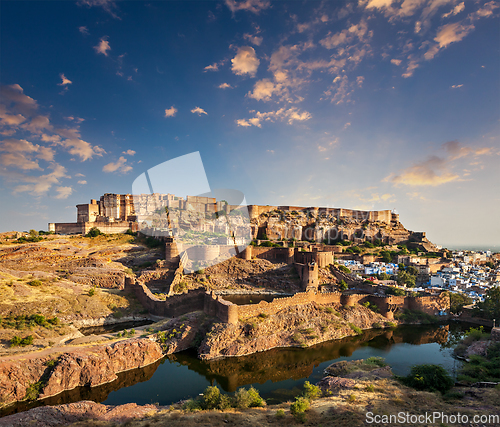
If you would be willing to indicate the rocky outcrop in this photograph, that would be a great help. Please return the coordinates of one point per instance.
(296, 326)
(87, 367)
(62, 415)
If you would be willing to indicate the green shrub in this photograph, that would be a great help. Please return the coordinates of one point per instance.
(35, 282)
(180, 287)
(33, 391)
(93, 232)
(377, 325)
(280, 413)
(370, 388)
(343, 285)
(378, 361)
(192, 405)
(298, 408)
(311, 391)
(351, 398)
(91, 292)
(255, 399)
(428, 377)
(22, 342)
(355, 328)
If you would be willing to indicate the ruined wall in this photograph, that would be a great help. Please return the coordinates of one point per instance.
(171, 307)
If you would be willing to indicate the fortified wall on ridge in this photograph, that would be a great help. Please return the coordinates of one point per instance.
(225, 311)
(117, 213)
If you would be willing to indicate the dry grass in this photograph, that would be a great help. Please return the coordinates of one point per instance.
(389, 397)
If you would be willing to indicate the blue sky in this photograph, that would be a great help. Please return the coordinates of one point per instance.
(376, 104)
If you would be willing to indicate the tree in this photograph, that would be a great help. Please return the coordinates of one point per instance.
(93, 232)
(343, 285)
(412, 270)
(429, 377)
(386, 256)
(390, 290)
(406, 278)
(490, 307)
(457, 302)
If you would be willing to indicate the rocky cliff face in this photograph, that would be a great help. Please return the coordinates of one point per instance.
(298, 326)
(88, 367)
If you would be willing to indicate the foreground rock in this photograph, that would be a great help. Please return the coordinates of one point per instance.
(62, 415)
(87, 367)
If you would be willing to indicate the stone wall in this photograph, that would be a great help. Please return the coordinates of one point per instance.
(228, 312)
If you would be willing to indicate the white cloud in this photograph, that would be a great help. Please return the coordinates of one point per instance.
(84, 30)
(412, 66)
(81, 148)
(118, 166)
(10, 119)
(63, 192)
(170, 112)
(37, 124)
(456, 10)
(22, 103)
(65, 81)
(451, 33)
(396, 61)
(108, 6)
(82, 182)
(213, 67)
(263, 90)
(225, 86)
(254, 6)
(199, 111)
(50, 138)
(437, 170)
(245, 61)
(243, 122)
(378, 4)
(103, 46)
(456, 86)
(37, 185)
(256, 40)
(290, 115)
(129, 152)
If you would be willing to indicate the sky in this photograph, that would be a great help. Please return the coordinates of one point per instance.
(369, 104)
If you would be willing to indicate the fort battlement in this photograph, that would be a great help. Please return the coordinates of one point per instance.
(215, 305)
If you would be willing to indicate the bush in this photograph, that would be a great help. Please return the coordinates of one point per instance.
(429, 377)
(191, 405)
(280, 413)
(22, 342)
(180, 287)
(298, 408)
(391, 290)
(35, 282)
(93, 232)
(355, 328)
(211, 397)
(311, 391)
(344, 269)
(91, 292)
(343, 285)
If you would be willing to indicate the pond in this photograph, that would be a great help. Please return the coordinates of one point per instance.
(278, 374)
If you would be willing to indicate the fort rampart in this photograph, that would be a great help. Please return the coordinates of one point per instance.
(225, 311)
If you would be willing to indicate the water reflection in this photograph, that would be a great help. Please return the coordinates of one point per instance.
(275, 373)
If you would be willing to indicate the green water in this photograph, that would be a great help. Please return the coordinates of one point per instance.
(278, 374)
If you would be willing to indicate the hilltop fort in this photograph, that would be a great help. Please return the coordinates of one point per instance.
(117, 213)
